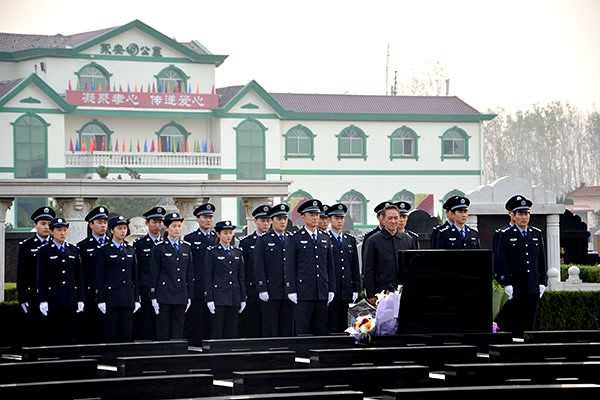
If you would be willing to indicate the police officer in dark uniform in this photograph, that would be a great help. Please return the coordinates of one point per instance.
(197, 326)
(60, 283)
(324, 219)
(379, 212)
(250, 319)
(225, 283)
(145, 319)
(116, 281)
(381, 260)
(405, 207)
(309, 272)
(458, 235)
(345, 259)
(172, 280)
(277, 311)
(27, 271)
(522, 265)
(90, 330)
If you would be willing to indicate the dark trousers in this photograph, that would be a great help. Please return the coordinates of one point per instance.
(523, 313)
(118, 324)
(311, 317)
(90, 325)
(144, 321)
(224, 324)
(250, 319)
(60, 324)
(169, 321)
(32, 326)
(277, 318)
(197, 326)
(338, 315)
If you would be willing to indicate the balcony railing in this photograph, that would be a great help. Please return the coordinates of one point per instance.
(116, 159)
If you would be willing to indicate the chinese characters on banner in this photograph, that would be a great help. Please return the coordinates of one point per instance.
(182, 101)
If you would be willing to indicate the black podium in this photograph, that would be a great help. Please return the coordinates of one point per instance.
(445, 291)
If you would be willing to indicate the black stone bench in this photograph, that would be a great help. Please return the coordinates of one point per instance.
(337, 395)
(147, 387)
(47, 370)
(561, 336)
(533, 372)
(301, 344)
(221, 365)
(481, 340)
(104, 351)
(369, 380)
(432, 356)
(547, 392)
(544, 351)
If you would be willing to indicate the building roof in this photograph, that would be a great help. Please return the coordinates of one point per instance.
(18, 41)
(359, 104)
(6, 86)
(585, 191)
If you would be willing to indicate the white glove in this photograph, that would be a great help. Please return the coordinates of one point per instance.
(44, 308)
(189, 303)
(264, 296)
(136, 306)
(25, 307)
(508, 289)
(542, 290)
(293, 297)
(330, 297)
(354, 296)
(102, 307)
(211, 306)
(242, 306)
(155, 306)
(80, 307)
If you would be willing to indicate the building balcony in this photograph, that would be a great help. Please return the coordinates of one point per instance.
(146, 160)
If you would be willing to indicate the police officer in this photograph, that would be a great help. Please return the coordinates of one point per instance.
(60, 283)
(116, 281)
(324, 219)
(172, 279)
(436, 229)
(345, 259)
(522, 265)
(145, 319)
(225, 283)
(405, 207)
(458, 235)
(27, 270)
(381, 260)
(379, 213)
(250, 320)
(197, 325)
(277, 311)
(309, 274)
(97, 219)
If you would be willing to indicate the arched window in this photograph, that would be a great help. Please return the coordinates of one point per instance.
(250, 148)
(403, 143)
(172, 138)
(93, 77)
(352, 143)
(357, 206)
(299, 143)
(404, 195)
(172, 80)
(455, 143)
(97, 133)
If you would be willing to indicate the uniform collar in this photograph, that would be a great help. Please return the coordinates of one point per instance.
(225, 247)
(337, 235)
(173, 242)
(117, 244)
(59, 245)
(207, 232)
(97, 238)
(154, 238)
(259, 234)
(311, 233)
(41, 239)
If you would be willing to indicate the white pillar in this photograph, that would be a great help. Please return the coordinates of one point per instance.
(5, 204)
(186, 207)
(250, 203)
(553, 249)
(74, 211)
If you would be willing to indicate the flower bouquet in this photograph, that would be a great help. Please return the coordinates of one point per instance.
(499, 299)
(388, 310)
(362, 329)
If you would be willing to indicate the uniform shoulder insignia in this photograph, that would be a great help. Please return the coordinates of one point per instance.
(536, 229)
(413, 234)
(349, 235)
(210, 247)
(186, 242)
(444, 228)
(160, 242)
(505, 229)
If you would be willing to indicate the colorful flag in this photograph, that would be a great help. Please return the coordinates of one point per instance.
(145, 146)
(77, 144)
(116, 145)
(83, 147)
(152, 150)
(138, 148)
(71, 148)
(123, 147)
(93, 144)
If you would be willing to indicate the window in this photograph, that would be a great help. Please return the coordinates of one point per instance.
(357, 206)
(250, 139)
(455, 144)
(172, 80)
(172, 138)
(299, 142)
(93, 77)
(96, 133)
(352, 143)
(403, 143)
(404, 195)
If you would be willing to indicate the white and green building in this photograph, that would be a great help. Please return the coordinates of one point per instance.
(132, 98)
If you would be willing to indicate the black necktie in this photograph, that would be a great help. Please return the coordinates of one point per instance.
(524, 234)
(176, 245)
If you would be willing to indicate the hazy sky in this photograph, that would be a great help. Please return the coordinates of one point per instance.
(508, 53)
